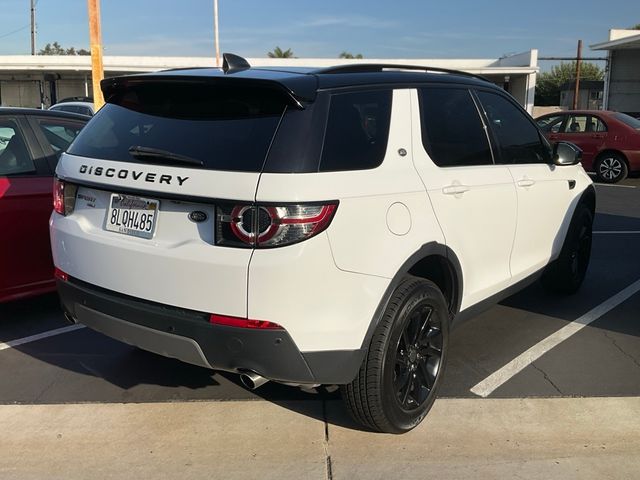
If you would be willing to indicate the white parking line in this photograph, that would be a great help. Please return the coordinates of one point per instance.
(39, 336)
(621, 232)
(501, 376)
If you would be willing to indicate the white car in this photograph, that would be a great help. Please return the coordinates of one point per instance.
(313, 227)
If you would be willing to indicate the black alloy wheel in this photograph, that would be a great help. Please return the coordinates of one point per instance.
(404, 365)
(418, 358)
(567, 272)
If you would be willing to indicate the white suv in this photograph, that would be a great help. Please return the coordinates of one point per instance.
(313, 226)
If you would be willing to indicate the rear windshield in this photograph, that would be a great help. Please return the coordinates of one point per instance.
(221, 127)
(628, 119)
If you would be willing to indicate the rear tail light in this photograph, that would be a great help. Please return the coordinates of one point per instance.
(265, 226)
(64, 196)
(243, 322)
(60, 275)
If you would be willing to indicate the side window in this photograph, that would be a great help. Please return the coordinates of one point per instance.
(519, 139)
(59, 133)
(594, 124)
(452, 131)
(14, 156)
(550, 124)
(577, 124)
(357, 131)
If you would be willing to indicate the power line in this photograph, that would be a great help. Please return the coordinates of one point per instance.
(16, 31)
(19, 29)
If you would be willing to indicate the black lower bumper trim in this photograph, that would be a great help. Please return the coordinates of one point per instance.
(188, 335)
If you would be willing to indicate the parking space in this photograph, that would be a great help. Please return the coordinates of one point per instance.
(602, 359)
(84, 392)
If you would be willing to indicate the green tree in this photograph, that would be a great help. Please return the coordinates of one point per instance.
(549, 83)
(56, 49)
(279, 53)
(350, 55)
(635, 27)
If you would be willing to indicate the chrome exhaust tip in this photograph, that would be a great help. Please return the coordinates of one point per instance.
(252, 380)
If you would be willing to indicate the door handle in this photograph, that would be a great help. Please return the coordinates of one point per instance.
(525, 182)
(553, 137)
(455, 189)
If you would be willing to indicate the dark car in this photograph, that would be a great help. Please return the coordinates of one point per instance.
(610, 141)
(31, 142)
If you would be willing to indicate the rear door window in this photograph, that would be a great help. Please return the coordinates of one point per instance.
(14, 154)
(357, 131)
(221, 127)
(452, 130)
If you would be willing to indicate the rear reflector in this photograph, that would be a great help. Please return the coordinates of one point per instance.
(243, 322)
(60, 275)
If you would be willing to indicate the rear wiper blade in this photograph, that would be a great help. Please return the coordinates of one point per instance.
(158, 154)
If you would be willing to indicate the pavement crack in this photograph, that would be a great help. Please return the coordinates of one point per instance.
(626, 354)
(44, 390)
(325, 442)
(546, 377)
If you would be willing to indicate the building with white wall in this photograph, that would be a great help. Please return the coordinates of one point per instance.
(39, 81)
(622, 82)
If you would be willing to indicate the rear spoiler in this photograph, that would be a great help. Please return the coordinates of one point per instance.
(297, 90)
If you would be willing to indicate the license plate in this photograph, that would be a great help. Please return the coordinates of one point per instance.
(134, 216)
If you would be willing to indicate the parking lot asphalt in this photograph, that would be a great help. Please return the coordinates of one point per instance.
(600, 360)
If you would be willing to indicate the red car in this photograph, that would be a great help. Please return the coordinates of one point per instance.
(31, 142)
(610, 141)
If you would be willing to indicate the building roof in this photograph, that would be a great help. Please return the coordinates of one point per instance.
(524, 63)
(619, 39)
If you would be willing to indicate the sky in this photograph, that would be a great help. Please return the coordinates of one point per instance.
(376, 29)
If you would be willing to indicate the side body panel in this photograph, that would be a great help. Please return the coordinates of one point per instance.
(328, 288)
(478, 223)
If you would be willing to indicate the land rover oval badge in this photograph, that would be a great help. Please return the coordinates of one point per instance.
(197, 216)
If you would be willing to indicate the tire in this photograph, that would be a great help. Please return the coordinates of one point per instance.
(403, 368)
(611, 168)
(567, 272)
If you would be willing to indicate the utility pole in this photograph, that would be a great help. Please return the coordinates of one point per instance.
(576, 91)
(95, 40)
(215, 28)
(33, 27)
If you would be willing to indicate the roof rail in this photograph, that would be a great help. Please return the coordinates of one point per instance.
(378, 67)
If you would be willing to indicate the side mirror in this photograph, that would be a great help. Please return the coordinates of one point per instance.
(565, 153)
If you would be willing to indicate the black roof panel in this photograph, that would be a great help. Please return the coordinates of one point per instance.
(302, 83)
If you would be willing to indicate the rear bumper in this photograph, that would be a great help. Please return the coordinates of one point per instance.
(188, 336)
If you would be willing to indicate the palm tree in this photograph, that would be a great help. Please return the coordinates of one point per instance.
(279, 53)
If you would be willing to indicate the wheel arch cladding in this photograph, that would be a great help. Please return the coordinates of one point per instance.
(588, 198)
(432, 261)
